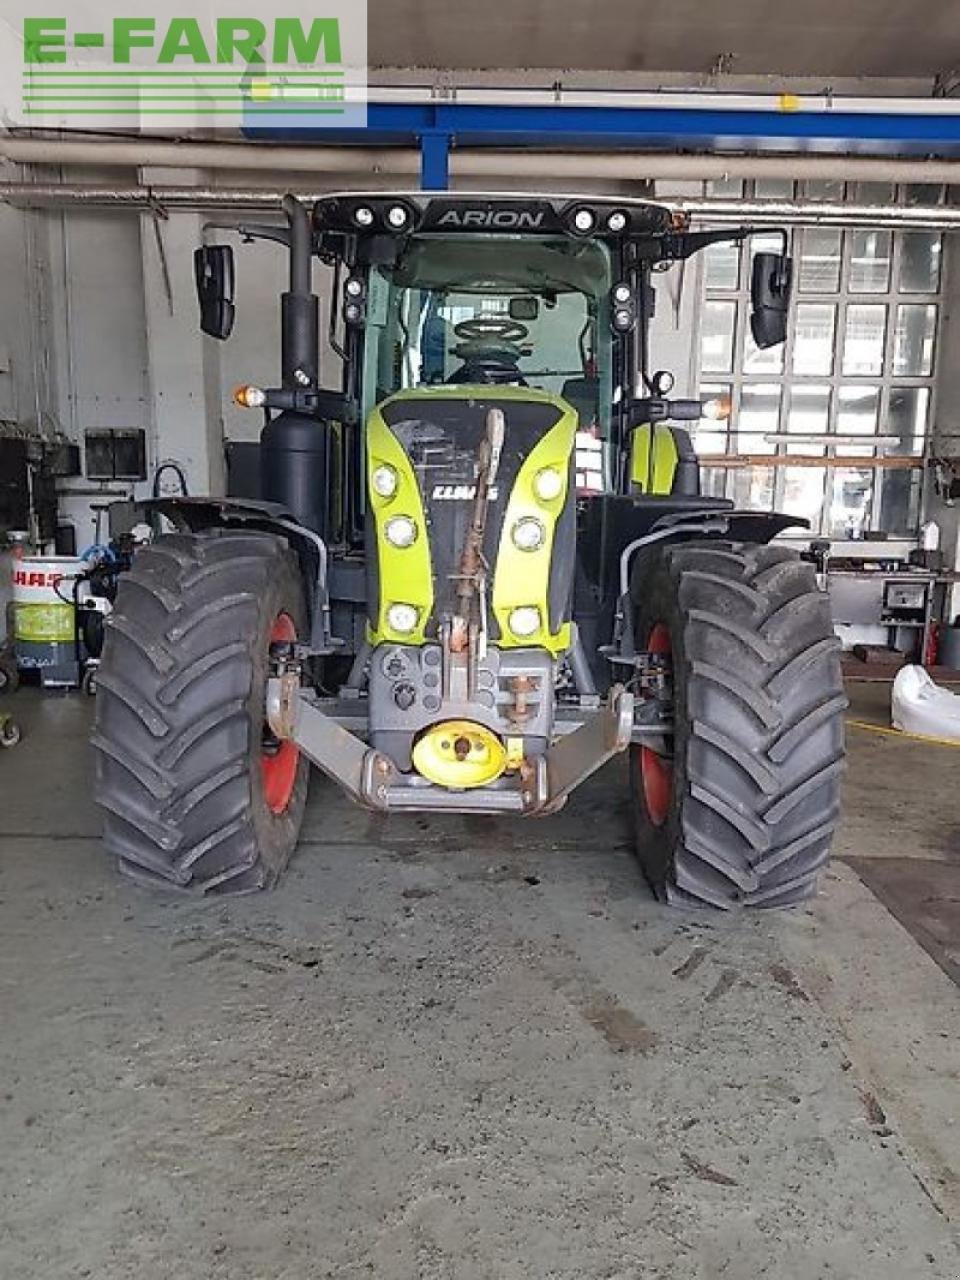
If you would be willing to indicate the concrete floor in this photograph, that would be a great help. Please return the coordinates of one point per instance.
(464, 1048)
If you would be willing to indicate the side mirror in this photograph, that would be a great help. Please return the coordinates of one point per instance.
(770, 284)
(214, 274)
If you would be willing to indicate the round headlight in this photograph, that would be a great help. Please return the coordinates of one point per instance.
(383, 481)
(353, 287)
(401, 531)
(528, 534)
(363, 215)
(525, 620)
(397, 216)
(621, 293)
(623, 319)
(402, 618)
(584, 220)
(616, 221)
(548, 484)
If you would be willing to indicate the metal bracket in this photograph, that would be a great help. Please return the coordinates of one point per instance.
(364, 773)
(575, 757)
(649, 724)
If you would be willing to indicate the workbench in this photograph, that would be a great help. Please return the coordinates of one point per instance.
(905, 603)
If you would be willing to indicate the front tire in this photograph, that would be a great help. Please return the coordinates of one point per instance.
(743, 812)
(186, 774)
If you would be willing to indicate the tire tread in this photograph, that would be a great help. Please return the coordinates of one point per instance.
(758, 797)
(175, 713)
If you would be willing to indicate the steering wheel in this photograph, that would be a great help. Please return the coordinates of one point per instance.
(491, 327)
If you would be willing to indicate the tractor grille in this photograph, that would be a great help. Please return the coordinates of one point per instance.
(441, 437)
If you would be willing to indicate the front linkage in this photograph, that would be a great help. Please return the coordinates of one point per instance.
(535, 785)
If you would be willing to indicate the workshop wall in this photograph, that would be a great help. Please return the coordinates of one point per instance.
(18, 298)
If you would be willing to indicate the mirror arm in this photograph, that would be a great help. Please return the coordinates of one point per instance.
(248, 231)
(677, 246)
(257, 231)
(316, 402)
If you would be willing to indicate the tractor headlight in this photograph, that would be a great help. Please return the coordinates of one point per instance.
(524, 621)
(617, 221)
(548, 484)
(401, 531)
(363, 215)
(383, 481)
(402, 618)
(584, 220)
(528, 534)
(397, 217)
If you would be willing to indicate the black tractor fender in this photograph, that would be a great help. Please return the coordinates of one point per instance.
(628, 526)
(194, 515)
(612, 522)
(756, 527)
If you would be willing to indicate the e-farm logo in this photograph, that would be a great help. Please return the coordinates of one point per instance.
(92, 66)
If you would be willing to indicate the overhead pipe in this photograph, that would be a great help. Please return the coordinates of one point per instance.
(236, 156)
(758, 212)
(397, 162)
(160, 199)
(819, 213)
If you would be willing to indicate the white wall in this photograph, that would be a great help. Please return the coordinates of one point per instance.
(72, 344)
(17, 380)
(96, 332)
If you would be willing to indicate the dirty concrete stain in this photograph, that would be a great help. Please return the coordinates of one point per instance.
(726, 982)
(622, 1030)
(787, 979)
(875, 1113)
(705, 1172)
(692, 963)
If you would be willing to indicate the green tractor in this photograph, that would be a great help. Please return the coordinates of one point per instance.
(475, 570)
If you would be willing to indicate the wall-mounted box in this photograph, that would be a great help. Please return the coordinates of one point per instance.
(115, 454)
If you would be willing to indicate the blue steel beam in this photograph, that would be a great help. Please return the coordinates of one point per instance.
(632, 128)
(434, 161)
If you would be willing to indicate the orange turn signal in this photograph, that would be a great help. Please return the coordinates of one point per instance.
(248, 397)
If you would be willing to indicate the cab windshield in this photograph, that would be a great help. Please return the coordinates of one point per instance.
(494, 312)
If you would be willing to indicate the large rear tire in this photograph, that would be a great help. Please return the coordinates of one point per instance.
(742, 812)
(197, 796)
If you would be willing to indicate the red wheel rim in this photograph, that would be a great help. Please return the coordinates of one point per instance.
(656, 772)
(278, 766)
